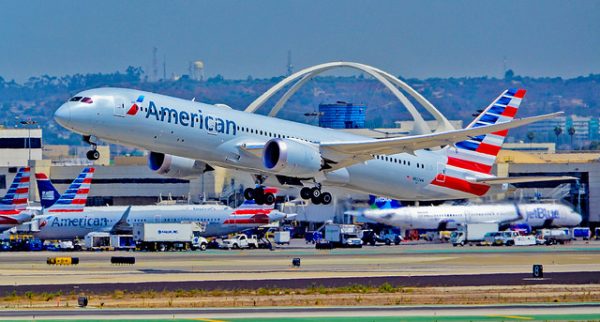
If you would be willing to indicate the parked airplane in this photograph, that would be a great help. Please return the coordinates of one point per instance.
(444, 217)
(188, 138)
(68, 219)
(13, 207)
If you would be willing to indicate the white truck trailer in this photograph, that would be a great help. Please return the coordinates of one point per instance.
(341, 235)
(472, 233)
(162, 236)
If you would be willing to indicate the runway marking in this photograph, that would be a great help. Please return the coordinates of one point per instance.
(516, 317)
(208, 320)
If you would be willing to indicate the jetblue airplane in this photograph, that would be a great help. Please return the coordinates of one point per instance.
(68, 218)
(187, 138)
(444, 217)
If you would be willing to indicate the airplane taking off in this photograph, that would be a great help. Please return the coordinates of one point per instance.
(13, 207)
(68, 219)
(188, 138)
(444, 217)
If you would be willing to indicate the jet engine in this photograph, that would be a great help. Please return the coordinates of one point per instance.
(176, 167)
(292, 158)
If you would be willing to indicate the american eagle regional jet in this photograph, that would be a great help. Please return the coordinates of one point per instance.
(187, 138)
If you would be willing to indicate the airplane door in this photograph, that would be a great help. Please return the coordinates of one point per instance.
(441, 172)
(119, 108)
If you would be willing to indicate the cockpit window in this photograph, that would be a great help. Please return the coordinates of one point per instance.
(75, 99)
(87, 100)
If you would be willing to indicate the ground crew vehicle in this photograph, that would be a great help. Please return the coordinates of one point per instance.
(240, 241)
(340, 235)
(471, 233)
(163, 237)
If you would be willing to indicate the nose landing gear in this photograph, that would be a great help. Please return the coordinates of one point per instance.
(92, 154)
(315, 195)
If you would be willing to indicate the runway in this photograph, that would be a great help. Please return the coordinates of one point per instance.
(577, 311)
(410, 265)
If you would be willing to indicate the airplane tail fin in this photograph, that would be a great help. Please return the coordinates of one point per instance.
(479, 153)
(47, 192)
(75, 197)
(383, 203)
(18, 193)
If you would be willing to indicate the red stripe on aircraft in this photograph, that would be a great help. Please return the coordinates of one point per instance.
(87, 180)
(19, 201)
(10, 212)
(22, 190)
(78, 202)
(502, 133)
(251, 211)
(66, 210)
(469, 165)
(8, 220)
(520, 93)
(510, 111)
(83, 190)
(24, 180)
(488, 149)
(41, 176)
(453, 183)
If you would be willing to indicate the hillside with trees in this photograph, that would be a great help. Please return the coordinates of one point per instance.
(457, 98)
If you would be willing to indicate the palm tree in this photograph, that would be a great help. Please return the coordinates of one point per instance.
(571, 132)
(557, 132)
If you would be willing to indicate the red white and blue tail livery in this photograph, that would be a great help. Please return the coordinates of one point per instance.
(251, 213)
(75, 197)
(17, 195)
(13, 207)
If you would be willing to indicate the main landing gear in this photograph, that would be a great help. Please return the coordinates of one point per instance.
(315, 195)
(92, 154)
(259, 195)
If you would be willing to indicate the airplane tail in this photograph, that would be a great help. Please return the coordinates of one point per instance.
(383, 203)
(47, 192)
(75, 197)
(17, 195)
(479, 153)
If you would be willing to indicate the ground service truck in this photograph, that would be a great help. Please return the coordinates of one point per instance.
(471, 233)
(163, 237)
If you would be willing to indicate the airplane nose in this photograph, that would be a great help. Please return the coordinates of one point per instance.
(63, 115)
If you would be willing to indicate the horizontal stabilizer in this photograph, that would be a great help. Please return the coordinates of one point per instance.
(503, 180)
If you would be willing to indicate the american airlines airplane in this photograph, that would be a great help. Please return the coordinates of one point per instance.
(444, 217)
(13, 207)
(68, 218)
(187, 138)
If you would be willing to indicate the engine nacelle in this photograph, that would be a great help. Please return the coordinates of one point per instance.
(292, 158)
(176, 167)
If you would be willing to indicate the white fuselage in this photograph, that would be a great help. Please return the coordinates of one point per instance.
(215, 134)
(449, 217)
(218, 219)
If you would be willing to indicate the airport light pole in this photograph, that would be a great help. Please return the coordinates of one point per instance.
(29, 123)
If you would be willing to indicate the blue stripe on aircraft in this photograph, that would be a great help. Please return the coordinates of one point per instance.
(478, 138)
(503, 100)
(467, 145)
(496, 109)
(489, 118)
(63, 202)
(511, 91)
(479, 124)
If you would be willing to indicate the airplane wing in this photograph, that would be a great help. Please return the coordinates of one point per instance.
(344, 153)
(503, 180)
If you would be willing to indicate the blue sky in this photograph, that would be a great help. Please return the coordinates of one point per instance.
(241, 38)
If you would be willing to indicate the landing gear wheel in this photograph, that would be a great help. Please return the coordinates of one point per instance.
(315, 193)
(249, 194)
(326, 198)
(305, 193)
(269, 198)
(93, 155)
(315, 200)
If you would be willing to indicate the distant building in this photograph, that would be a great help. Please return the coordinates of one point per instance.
(16, 145)
(586, 129)
(342, 115)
